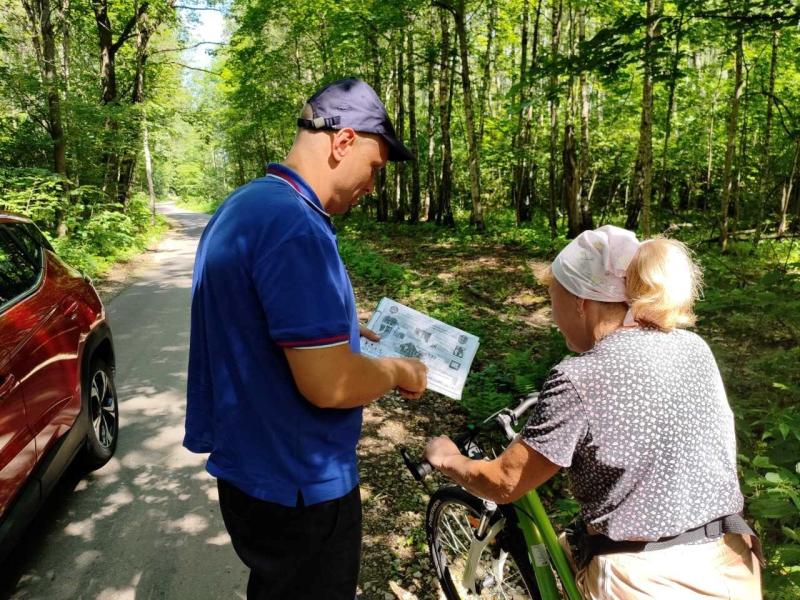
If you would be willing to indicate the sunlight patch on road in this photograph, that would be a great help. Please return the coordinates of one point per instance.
(126, 593)
(190, 524)
(221, 539)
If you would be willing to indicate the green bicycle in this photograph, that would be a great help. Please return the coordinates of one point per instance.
(483, 550)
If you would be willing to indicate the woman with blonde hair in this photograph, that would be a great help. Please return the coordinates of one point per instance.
(640, 420)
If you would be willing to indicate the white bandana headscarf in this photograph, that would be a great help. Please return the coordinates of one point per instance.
(593, 265)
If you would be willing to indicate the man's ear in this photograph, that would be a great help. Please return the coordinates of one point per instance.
(342, 141)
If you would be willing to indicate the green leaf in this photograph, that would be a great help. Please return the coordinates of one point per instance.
(772, 507)
(773, 477)
(790, 533)
(761, 461)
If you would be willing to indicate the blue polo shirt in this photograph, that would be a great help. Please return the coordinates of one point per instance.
(268, 276)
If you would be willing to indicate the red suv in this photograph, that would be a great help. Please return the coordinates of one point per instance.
(57, 395)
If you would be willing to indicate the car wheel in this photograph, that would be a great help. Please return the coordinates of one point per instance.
(103, 414)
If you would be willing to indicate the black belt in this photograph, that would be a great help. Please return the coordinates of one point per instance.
(586, 546)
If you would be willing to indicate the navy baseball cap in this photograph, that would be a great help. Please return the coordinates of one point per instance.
(352, 103)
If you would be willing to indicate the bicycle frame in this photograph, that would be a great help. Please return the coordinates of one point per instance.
(541, 541)
(543, 548)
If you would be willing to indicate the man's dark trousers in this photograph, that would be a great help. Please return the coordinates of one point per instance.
(301, 553)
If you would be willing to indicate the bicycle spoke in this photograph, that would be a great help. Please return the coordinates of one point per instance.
(453, 536)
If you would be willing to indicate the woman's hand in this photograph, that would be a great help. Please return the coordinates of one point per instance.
(438, 449)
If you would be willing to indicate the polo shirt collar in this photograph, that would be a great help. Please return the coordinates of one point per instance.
(300, 186)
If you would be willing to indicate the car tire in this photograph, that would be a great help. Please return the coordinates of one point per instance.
(102, 412)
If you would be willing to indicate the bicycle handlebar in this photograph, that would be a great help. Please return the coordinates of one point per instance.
(504, 419)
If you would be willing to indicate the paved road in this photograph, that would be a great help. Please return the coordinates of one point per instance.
(147, 525)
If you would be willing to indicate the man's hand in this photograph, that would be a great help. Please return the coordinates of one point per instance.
(413, 378)
(366, 332)
(438, 449)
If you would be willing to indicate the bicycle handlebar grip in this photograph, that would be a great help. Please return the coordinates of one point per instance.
(418, 470)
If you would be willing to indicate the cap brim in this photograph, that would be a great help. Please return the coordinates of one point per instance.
(397, 151)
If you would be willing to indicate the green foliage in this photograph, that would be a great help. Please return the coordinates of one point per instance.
(372, 267)
(108, 236)
(97, 233)
(518, 373)
(37, 193)
(751, 316)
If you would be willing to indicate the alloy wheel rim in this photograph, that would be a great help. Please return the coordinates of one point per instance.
(103, 404)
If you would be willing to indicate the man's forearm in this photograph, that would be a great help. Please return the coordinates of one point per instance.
(336, 377)
(364, 380)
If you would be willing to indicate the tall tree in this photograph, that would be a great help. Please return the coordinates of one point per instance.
(730, 146)
(766, 163)
(430, 168)
(43, 36)
(672, 83)
(108, 76)
(552, 93)
(519, 193)
(476, 215)
(128, 161)
(444, 211)
(412, 128)
(643, 170)
(401, 197)
(486, 80)
(585, 181)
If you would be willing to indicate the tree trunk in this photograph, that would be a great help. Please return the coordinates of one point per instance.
(64, 18)
(401, 198)
(430, 173)
(765, 161)
(787, 195)
(444, 212)
(571, 184)
(553, 98)
(518, 188)
(382, 200)
(519, 162)
(487, 68)
(412, 129)
(586, 219)
(469, 116)
(43, 36)
(525, 190)
(148, 167)
(643, 171)
(128, 161)
(666, 201)
(740, 165)
(108, 80)
(710, 143)
(730, 149)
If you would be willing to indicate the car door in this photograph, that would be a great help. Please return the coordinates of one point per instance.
(19, 277)
(50, 373)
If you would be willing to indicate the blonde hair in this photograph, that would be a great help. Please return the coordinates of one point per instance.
(662, 284)
(544, 274)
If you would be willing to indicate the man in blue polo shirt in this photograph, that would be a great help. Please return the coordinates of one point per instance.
(276, 379)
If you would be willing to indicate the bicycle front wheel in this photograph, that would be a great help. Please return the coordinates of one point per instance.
(495, 566)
